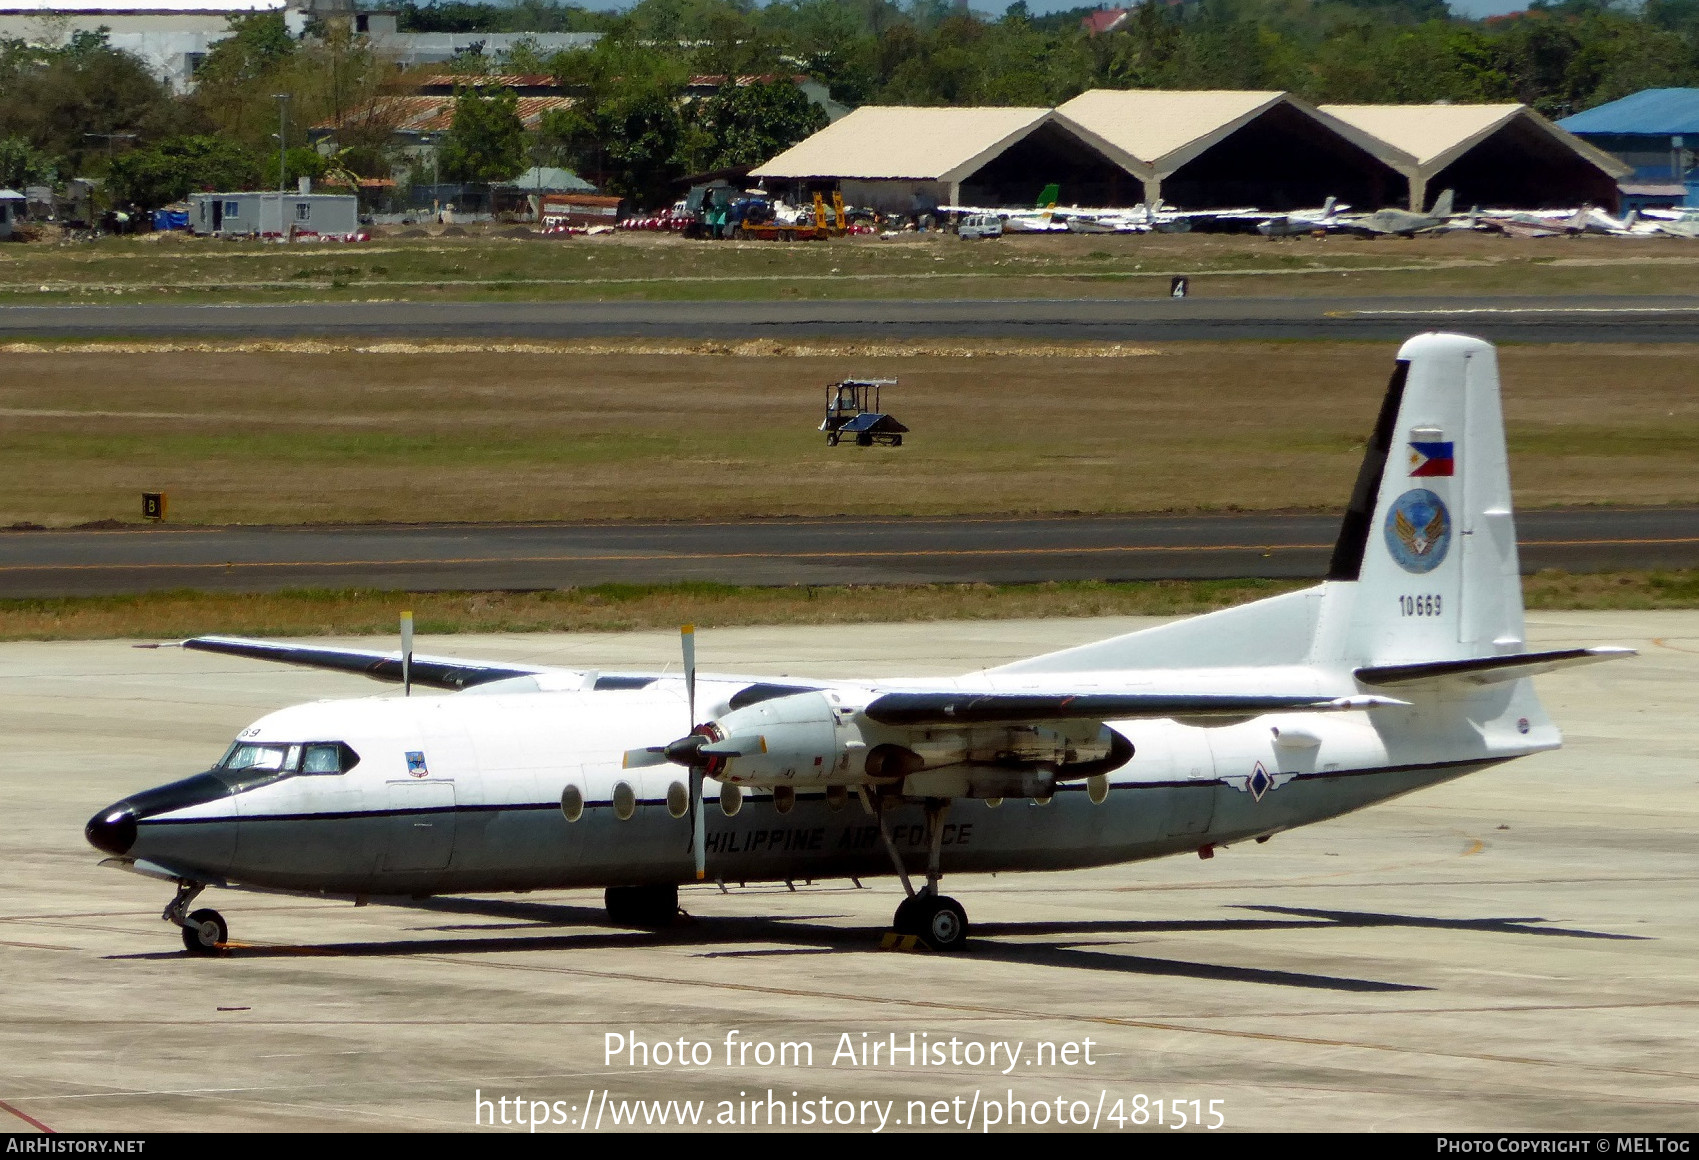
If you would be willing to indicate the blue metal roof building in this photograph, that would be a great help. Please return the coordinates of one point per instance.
(1655, 131)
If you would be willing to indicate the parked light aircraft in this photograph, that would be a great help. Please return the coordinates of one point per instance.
(1407, 666)
(1303, 221)
(1403, 221)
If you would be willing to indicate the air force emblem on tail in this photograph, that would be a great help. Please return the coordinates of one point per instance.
(1418, 531)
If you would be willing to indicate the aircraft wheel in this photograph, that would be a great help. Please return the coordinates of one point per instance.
(945, 926)
(911, 916)
(643, 906)
(206, 933)
(864, 439)
(896, 441)
(940, 922)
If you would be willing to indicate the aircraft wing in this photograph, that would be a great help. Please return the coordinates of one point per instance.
(431, 672)
(981, 708)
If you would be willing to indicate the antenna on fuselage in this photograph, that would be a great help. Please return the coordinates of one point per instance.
(406, 654)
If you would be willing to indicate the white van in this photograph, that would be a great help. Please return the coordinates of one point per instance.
(981, 225)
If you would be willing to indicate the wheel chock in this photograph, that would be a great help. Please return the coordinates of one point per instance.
(911, 943)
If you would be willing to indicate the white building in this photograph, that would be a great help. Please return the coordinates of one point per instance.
(271, 214)
(172, 37)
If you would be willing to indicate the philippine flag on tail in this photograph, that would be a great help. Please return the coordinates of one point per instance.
(1428, 459)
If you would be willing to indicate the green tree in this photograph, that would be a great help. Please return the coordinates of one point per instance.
(64, 101)
(159, 174)
(747, 124)
(300, 161)
(257, 46)
(486, 141)
(23, 164)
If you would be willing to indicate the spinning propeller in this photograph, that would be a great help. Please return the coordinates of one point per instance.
(700, 751)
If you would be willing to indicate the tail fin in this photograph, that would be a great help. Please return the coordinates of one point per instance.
(1442, 204)
(1049, 196)
(1426, 566)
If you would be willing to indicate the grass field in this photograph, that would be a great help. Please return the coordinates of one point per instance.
(612, 608)
(297, 433)
(500, 267)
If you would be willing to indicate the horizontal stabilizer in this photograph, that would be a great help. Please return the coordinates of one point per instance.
(964, 708)
(1487, 670)
(431, 672)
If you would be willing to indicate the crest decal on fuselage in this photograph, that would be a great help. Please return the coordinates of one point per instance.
(1418, 531)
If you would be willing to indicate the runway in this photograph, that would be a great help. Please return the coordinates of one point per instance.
(1517, 951)
(773, 552)
(1200, 317)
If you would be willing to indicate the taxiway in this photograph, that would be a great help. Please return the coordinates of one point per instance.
(843, 550)
(1514, 951)
(1580, 318)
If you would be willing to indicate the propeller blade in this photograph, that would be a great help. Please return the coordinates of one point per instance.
(735, 747)
(698, 833)
(698, 825)
(687, 638)
(642, 758)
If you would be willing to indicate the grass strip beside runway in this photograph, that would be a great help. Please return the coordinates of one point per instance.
(621, 607)
(333, 435)
(513, 265)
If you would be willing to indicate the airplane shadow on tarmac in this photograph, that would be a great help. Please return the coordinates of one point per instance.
(801, 936)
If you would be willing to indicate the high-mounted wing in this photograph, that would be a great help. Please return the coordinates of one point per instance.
(1487, 670)
(433, 672)
(978, 708)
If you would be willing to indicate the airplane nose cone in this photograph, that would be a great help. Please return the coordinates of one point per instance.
(112, 829)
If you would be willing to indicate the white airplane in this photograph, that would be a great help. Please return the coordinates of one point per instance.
(1302, 222)
(1407, 666)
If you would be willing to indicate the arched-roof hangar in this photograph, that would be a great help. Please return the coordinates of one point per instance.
(1208, 149)
(1504, 156)
(900, 159)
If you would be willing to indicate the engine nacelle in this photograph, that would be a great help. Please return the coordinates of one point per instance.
(817, 739)
(801, 740)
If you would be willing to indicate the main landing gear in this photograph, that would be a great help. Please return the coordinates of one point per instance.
(937, 920)
(645, 906)
(204, 931)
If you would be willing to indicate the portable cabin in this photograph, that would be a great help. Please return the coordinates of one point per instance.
(270, 214)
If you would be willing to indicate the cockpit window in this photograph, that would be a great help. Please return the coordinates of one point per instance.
(246, 755)
(328, 757)
(314, 757)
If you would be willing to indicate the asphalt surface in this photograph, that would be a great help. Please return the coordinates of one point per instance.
(791, 551)
(1513, 952)
(1200, 317)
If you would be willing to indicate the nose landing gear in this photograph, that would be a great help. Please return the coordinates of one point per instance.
(936, 919)
(204, 931)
